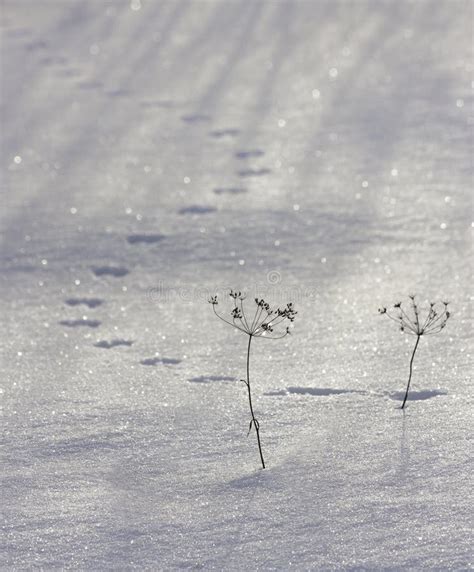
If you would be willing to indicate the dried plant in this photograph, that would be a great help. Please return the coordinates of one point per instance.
(409, 318)
(265, 323)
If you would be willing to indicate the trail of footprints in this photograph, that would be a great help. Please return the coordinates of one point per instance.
(245, 172)
(63, 68)
(115, 271)
(92, 303)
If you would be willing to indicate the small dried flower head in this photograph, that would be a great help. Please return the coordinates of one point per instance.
(236, 314)
(265, 321)
(410, 320)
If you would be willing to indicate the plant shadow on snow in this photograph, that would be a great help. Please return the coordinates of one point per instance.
(247, 481)
(314, 391)
(417, 395)
(111, 440)
(211, 378)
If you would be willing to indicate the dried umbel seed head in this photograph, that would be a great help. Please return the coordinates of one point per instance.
(409, 317)
(236, 314)
(236, 295)
(265, 322)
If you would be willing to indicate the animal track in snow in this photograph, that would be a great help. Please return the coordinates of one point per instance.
(230, 191)
(162, 361)
(211, 378)
(253, 172)
(36, 45)
(89, 302)
(196, 118)
(69, 72)
(80, 323)
(145, 238)
(157, 104)
(197, 209)
(118, 93)
(249, 154)
(220, 133)
(116, 271)
(86, 85)
(113, 343)
(19, 32)
(53, 61)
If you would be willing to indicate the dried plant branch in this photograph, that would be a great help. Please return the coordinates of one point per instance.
(408, 319)
(266, 323)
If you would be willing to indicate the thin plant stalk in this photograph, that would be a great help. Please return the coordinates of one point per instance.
(411, 370)
(254, 421)
(267, 323)
(409, 320)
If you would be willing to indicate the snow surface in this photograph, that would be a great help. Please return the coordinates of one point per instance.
(156, 152)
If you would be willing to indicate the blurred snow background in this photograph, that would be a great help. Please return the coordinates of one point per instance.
(155, 152)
